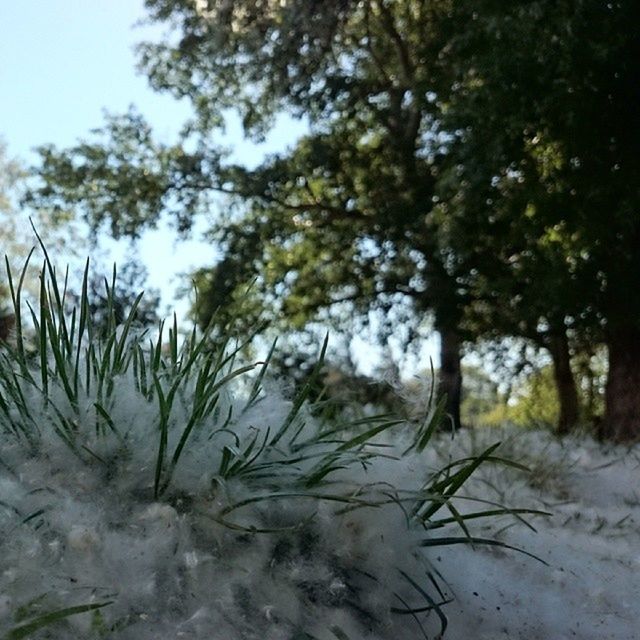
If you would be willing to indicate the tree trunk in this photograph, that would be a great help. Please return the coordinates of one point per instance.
(450, 382)
(558, 346)
(622, 396)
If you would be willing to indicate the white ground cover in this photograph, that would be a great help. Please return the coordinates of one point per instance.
(70, 536)
(590, 589)
(150, 491)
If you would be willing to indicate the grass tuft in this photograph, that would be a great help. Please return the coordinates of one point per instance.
(273, 472)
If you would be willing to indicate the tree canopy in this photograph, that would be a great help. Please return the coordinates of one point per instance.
(545, 172)
(469, 162)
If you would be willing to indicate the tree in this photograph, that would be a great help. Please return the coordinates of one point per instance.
(546, 168)
(59, 235)
(111, 300)
(517, 282)
(11, 242)
(345, 216)
(460, 159)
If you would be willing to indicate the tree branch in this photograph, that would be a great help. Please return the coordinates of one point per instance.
(389, 26)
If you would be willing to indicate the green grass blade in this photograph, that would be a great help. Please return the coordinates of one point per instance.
(432, 603)
(428, 428)
(451, 540)
(449, 486)
(16, 294)
(302, 395)
(257, 384)
(365, 437)
(46, 619)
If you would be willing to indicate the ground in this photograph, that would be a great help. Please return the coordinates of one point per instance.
(172, 573)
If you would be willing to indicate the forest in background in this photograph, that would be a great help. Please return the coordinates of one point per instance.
(470, 168)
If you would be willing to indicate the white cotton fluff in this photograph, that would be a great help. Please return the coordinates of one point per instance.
(82, 530)
(79, 531)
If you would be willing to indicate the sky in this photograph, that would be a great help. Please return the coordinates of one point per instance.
(62, 64)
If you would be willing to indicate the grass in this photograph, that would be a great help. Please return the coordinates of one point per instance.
(273, 469)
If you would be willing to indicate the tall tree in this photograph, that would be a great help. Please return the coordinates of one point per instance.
(546, 169)
(344, 216)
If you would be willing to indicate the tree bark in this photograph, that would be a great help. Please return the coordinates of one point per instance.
(558, 346)
(622, 395)
(450, 381)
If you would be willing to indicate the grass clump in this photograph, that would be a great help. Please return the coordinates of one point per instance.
(153, 486)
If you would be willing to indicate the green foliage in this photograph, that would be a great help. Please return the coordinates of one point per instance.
(532, 400)
(15, 240)
(480, 397)
(341, 218)
(10, 174)
(111, 301)
(541, 99)
(473, 162)
(51, 617)
(124, 179)
(537, 403)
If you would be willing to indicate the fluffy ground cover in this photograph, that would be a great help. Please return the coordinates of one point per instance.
(158, 488)
(589, 589)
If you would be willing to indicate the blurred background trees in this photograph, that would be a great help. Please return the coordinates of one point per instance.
(545, 171)
(470, 167)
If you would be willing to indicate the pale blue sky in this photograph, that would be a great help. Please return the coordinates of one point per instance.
(62, 62)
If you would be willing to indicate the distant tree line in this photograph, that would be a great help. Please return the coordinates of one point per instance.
(473, 164)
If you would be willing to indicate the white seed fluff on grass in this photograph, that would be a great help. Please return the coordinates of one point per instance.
(172, 572)
(590, 589)
(80, 531)
(151, 492)
(147, 491)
